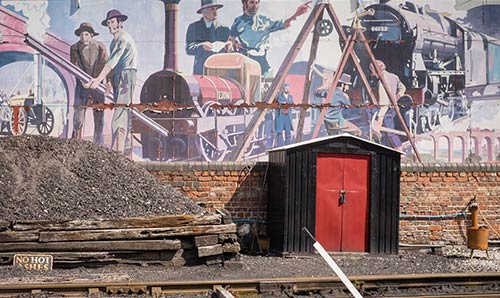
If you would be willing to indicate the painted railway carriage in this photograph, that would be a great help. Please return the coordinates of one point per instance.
(202, 131)
(434, 56)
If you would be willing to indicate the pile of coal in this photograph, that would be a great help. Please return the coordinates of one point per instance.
(58, 179)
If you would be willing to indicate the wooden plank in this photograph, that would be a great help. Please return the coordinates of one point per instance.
(118, 223)
(374, 203)
(231, 247)
(130, 245)
(132, 257)
(68, 256)
(151, 233)
(206, 240)
(9, 236)
(229, 238)
(211, 250)
(396, 174)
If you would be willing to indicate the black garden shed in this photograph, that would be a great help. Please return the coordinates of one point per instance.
(342, 188)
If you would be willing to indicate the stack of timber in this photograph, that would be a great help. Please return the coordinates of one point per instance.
(169, 240)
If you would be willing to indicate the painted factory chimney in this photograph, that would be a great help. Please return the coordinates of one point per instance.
(171, 12)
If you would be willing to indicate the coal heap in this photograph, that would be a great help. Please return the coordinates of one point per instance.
(58, 179)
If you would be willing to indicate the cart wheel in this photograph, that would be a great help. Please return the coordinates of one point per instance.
(45, 128)
(324, 27)
(22, 122)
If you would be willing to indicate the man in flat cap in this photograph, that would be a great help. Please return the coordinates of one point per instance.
(202, 35)
(123, 62)
(89, 55)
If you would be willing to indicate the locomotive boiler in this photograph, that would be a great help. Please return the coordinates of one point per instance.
(204, 130)
(436, 57)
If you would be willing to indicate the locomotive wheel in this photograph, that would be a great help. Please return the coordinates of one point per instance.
(324, 27)
(22, 122)
(210, 151)
(45, 128)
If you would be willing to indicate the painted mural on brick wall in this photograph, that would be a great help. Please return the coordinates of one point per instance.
(227, 80)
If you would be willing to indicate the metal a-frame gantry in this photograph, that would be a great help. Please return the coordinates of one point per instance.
(348, 52)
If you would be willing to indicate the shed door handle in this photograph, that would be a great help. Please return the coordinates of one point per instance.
(342, 197)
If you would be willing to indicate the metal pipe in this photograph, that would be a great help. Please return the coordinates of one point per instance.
(430, 217)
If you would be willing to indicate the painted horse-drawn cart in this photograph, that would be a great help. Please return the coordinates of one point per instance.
(20, 111)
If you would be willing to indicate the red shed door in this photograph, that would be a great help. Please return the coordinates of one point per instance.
(342, 185)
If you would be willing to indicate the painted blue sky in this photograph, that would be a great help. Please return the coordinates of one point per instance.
(146, 25)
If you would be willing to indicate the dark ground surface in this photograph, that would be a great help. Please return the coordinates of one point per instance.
(50, 178)
(452, 260)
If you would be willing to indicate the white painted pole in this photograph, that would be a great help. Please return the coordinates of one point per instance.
(337, 270)
(334, 266)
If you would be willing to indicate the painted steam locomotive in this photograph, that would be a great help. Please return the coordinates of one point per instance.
(437, 59)
(441, 62)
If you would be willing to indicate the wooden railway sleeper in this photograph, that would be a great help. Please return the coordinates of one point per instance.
(142, 289)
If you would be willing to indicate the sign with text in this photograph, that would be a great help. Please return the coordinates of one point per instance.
(33, 262)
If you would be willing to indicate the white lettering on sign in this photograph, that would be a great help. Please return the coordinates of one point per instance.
(33, 262)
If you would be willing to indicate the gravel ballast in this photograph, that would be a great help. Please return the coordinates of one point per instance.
(452, 260)
(58, 179)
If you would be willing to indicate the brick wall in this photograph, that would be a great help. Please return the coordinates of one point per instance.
(434, 197)
(239, 188)
(439, 192)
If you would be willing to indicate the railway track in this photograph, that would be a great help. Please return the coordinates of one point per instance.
(479, 285)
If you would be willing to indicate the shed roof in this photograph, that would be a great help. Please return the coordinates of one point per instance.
(331, 138)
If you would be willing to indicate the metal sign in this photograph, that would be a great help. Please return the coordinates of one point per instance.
(33, 262)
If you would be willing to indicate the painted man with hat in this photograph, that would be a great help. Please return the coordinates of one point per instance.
(334, 121)
(283, 116)
(122, 62)
(202, 34)
(90, 56)
(250, 32)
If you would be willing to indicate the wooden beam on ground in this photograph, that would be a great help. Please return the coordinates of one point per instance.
(211, 250)
(9, 236)
(146, 233)
(134, 245)
(118, 223)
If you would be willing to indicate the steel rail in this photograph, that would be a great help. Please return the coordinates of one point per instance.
(293, 285)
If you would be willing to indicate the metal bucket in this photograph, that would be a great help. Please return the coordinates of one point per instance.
(477, 238)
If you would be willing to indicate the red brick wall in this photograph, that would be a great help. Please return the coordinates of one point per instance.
(440, 190)
(239, 188)
(431, 195)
